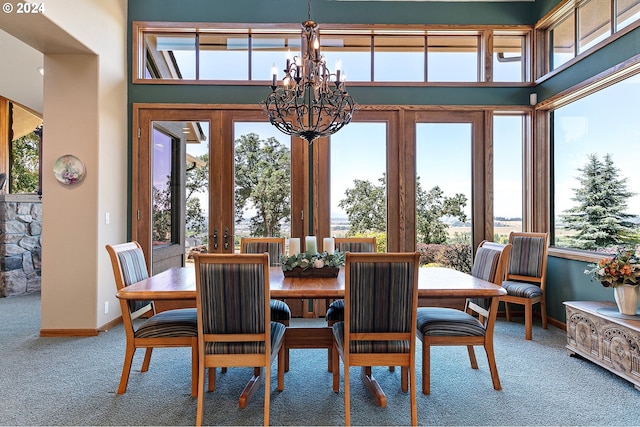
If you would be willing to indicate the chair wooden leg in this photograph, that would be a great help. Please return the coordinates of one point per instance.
(404, 379)
(194, 368)
(200, 406)
(281, 367)
(412, 392)
(286, 350)
(330, 352)
(493, 368)
(426, 368)
(347, 396)
(126, 368)
(335, 360)
(267, 392)
(147, 359)
(212, 379)
(507, 311)
(528, 320)
(543, 312)
(472, 357)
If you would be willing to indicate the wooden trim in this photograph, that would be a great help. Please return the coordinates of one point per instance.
(56, 333)
(110, 325)
(606, 78)
(575, 254)
(4, 137)
(484, 51)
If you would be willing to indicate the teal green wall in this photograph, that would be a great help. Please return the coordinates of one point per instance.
(335, 12)
(565, 280)
(615, 53)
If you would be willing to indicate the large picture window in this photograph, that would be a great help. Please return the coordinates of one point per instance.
(596, 179)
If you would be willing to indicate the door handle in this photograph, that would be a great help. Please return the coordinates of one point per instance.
(215, 239)
(226, 238)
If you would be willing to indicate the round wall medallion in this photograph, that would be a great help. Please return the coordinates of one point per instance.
(69, 169)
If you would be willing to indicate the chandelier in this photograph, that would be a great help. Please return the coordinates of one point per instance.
(310, 102)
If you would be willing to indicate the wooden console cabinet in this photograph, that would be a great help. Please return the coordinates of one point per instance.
(599, 333)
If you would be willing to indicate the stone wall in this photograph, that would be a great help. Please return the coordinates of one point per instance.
(20, 244)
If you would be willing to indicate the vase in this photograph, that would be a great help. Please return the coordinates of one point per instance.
(626, 297)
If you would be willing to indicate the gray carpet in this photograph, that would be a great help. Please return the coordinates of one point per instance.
(72, 381)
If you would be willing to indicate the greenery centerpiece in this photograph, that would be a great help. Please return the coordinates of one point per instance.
(307, 264)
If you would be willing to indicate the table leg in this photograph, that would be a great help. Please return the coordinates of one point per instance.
(252, 386)
(372, 385)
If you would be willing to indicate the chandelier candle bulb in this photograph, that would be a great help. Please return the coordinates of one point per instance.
(274, 75)
(311, 245)
(294, 246)
(328, 245)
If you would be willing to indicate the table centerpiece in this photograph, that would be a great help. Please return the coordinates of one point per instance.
(621, 271)
(307, 264)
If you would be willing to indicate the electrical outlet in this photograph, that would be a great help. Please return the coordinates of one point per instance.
(107, 218)
(106, 307)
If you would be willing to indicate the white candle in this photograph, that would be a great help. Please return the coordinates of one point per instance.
(294, 246)
(274, 75)
(311, 245)
(328, 245)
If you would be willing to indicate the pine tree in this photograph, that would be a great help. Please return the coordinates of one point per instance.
(599, 216)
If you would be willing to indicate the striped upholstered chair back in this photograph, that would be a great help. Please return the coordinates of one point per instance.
(490, 264)
(234, 319)
(232, 297)
(444, 326)
(356, 244)
(525, 280)
(133, 268)
(528, 257)
(274, 246)
(170, 328)
(379, 327)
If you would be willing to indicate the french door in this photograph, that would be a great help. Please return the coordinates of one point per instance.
(168, 145)
(450, 155)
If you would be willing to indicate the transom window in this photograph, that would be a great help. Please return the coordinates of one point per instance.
(581, 27)
(409, 55)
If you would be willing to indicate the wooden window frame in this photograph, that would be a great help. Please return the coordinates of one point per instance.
(484, 51)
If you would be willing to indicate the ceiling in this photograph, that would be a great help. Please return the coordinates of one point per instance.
(20, 80)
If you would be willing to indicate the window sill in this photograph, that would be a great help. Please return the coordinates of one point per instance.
(574, 254)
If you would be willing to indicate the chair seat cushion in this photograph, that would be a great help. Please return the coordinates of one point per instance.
(181, 322)
(369, 346)
(335, 312)
(280, 311)
(277, 335)
(440, 321)
(522, 289)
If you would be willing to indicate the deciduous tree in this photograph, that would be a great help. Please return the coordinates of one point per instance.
(262, 183)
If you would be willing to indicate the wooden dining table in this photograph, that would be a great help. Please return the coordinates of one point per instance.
(178, 285)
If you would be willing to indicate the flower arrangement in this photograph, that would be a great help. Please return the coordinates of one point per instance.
(621, 269)
(307, 260)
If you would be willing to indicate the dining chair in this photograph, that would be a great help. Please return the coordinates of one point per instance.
(274, 246)
(440, 326)
(171, 328)
(234, 320)
(335, 309)
(526, 276)
(379, 326)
